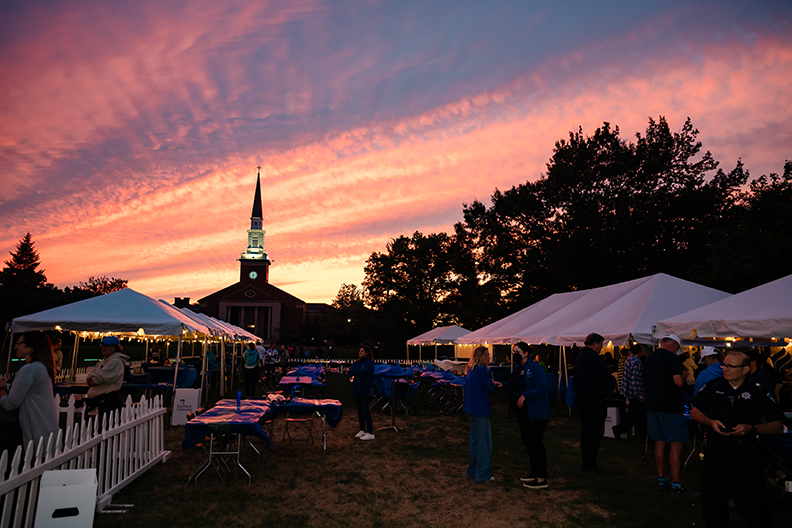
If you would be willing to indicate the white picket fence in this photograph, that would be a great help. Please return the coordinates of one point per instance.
(132, 440)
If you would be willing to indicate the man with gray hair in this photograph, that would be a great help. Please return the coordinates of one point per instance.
(664, 378)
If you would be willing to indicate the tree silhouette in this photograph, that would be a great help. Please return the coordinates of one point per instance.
(606, 211)
(21, 272)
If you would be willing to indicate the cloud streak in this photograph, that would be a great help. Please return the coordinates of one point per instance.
(129, 135)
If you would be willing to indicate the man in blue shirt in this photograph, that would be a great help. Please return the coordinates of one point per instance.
(711, 359)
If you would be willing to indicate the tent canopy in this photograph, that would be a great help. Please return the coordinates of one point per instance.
(618, 312)
(442, 335)
(121, 312)
(762, 312)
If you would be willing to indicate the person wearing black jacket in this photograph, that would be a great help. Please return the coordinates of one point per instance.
(592, 382)
(735, 409)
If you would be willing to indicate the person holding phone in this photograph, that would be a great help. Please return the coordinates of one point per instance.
(735, 409)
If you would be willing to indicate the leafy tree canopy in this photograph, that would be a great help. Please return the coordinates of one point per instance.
(607, 210)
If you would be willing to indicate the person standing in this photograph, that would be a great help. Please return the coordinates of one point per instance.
(478, 386)
(251, 359)
(664, 376)
(759, 375)
(632, 389)
(262, 352)
(155, 355)
(362, 374)
(106, 378)
(533, 415)
(31, 389)
(711, 359)
(284, 359)
(735, 409)
(57, 344)
(593, 382)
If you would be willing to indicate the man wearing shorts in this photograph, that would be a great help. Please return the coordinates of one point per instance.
(664, 377)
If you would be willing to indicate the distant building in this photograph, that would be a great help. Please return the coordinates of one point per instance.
(253, 303)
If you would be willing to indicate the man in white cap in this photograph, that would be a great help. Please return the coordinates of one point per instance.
(106, 378)
(711, 359)
(664, 378)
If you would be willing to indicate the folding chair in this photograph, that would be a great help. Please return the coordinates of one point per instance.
(306, 421)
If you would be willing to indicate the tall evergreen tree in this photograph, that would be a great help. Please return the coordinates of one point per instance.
(21, 272)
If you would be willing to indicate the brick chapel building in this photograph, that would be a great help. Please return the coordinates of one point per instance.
(253, 303)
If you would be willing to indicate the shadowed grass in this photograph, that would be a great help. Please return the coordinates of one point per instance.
(412, 478)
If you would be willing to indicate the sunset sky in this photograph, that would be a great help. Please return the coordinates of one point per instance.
(130, 132)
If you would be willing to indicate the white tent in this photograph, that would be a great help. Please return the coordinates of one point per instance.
(123, 312)
(226, 332)
(762, 312)
(618, 312)
(442, 335)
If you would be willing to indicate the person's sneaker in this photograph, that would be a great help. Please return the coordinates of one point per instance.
(535, 484)
(529, 478)
(662, 483)
(360, 433)
(367, 436)
(677, 489)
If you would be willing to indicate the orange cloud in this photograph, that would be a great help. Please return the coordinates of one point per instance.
(137, 161)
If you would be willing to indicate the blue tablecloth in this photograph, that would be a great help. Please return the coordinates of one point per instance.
(308, 381)
(333, 410)
(187, 375)
(384, 376)
(223, 418)
(317, 372)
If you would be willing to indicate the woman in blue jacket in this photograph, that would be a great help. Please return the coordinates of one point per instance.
(533, 414)
(478, 386)
(362, 374)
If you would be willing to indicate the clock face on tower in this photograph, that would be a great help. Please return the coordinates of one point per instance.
(253, 275)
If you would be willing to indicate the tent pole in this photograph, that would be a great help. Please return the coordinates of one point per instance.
(10, 348)
(73, 375)
(222, 367)
(204, 392)
(176, 370)
(145, 354)
(233, 365)
(566, 375)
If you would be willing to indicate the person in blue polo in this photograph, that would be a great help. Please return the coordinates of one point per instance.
(533, 414)
(478, 386)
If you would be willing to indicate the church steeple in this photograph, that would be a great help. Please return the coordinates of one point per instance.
(256, 214)
(255, 248)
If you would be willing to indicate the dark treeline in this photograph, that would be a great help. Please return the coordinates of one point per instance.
(607, 210)
(24, 288)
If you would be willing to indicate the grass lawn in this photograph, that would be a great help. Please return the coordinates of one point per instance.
(414, 478)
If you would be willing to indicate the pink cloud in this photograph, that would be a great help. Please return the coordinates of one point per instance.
(137, 160)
